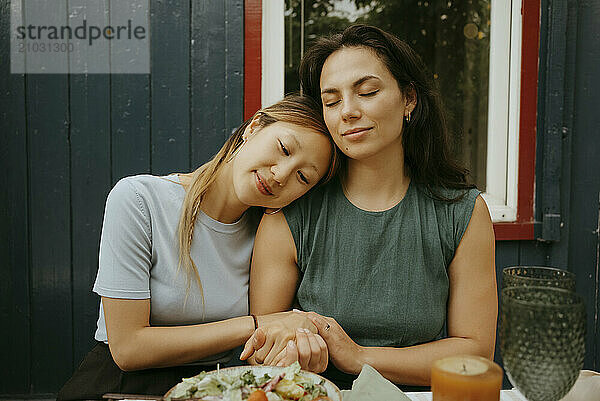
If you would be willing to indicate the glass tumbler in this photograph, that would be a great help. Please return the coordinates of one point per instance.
(537, 276)
(542, 332)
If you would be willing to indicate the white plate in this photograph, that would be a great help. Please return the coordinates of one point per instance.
(332, 391)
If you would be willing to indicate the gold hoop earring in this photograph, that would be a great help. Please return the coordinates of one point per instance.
(235, 152)
(407, 117)
(273, 212)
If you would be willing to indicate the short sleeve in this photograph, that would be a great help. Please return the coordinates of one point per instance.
(125, 245)
(461, 214)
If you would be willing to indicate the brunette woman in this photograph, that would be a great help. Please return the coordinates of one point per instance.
(396, 257)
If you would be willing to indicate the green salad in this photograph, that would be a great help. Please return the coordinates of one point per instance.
(243, 385)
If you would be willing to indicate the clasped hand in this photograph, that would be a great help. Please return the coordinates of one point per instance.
(283, 338)
(344, 353)
(306, 337)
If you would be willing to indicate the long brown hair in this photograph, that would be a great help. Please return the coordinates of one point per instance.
(294, 109)
(425, 139)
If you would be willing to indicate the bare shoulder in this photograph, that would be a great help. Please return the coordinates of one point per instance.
(274, 237)
(481, 211)
(273, 223)
(481, 220)
(274, 272)
(477, 246)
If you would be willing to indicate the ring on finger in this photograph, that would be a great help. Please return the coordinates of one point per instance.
(327, 327)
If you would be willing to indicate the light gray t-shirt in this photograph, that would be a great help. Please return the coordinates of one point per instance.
(139, 256)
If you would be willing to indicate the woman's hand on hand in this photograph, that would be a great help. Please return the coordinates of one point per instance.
(343, 351)
(273, 334)
(309, 349)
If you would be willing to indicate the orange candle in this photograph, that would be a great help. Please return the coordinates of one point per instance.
(465, 378)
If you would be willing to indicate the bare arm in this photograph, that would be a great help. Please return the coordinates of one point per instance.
(274, 272)
(472, 313)
(273, 281)
(130, 336)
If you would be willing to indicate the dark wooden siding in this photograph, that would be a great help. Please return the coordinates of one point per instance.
(65, 140)
(584, 174)
(15, 303)
(570, 30)
(567, 167)
(90, 179)
(216, 100)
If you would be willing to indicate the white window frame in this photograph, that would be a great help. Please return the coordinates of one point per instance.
(502, 168)
(503, 104)
(273, 52)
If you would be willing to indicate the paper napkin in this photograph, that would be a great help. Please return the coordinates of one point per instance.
(370, 385)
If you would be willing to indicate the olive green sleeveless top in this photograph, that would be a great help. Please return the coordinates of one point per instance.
(381, 275)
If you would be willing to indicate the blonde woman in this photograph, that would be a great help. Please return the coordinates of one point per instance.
(175, 255)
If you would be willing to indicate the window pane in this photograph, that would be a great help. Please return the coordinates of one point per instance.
(452, 37)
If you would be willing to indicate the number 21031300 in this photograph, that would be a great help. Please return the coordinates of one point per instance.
(44, 47)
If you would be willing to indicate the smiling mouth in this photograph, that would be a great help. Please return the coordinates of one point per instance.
(356, 131)
(261, 185)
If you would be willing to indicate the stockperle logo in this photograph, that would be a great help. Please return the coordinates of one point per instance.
(80, 37)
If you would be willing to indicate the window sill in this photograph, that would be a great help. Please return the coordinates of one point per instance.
(514, 231)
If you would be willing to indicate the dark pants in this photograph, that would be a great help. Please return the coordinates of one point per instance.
(98, 374)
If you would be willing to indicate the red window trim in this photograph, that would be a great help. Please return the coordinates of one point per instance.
(252, 56)
(522, 228)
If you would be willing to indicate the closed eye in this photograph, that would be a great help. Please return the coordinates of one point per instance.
(302, 177)
(369, 93)
(331, 104)
(283, 148)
